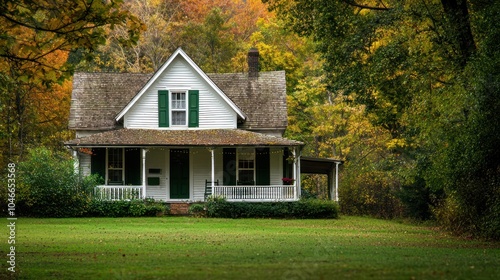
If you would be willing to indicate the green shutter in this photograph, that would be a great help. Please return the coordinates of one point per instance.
(98, 162)
(262, 167)
(194, 111)
(133, 166)
(229, 162)
(163, 108)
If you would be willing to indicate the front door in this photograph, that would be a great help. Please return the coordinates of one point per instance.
(179, 174)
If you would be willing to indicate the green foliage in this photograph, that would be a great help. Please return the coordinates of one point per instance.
(427, 76)
(218, 207)
(126, 208)
(210, 43)
(49, 187)
(370, 193)
(197, 210)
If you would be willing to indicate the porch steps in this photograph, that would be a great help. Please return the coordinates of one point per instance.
(181, 208)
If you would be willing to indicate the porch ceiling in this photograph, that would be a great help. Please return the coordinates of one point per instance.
(310, 165)
(200, 137)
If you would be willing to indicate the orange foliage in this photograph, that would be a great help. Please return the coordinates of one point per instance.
(243, 15)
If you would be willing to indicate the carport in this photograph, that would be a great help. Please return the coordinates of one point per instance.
(327, 166)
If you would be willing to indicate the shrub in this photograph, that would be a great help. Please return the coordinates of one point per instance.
(49, 187)
(197, 210)
(126, 208)
(219, 207)
(373, 193)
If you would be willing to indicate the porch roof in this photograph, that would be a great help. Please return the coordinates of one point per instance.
(199, 137)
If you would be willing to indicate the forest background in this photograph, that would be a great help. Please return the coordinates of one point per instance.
(406, 92)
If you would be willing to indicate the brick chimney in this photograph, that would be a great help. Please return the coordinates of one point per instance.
(253, 62)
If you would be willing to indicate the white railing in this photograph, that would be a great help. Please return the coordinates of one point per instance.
(118, 192)
(256, 193)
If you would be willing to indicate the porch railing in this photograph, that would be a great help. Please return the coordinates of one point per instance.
(118, 192)
(256, 193)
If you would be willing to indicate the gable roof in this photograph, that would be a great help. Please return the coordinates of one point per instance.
(159, 72)
(100, 99)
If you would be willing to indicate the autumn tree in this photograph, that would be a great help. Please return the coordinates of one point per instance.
(34, 35)
(423, 69)
(163, 23)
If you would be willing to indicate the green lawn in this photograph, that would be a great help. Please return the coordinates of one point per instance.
(192, 248)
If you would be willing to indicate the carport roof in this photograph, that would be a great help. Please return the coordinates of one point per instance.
(312, 165)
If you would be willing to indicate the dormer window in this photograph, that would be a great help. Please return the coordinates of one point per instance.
(179, 108)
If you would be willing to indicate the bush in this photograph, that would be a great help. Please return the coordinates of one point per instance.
(49, 187)
(197, 210)
(373, 193)
(126, 208)
(219, 207)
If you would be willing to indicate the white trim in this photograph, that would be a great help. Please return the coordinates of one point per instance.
(160, 71)
(122, 168)
(239, 152)
(144, 180)
(337, 180)
(172, 109)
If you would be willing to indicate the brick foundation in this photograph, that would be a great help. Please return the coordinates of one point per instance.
(181, 208)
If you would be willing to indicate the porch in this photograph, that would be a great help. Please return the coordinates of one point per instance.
(231, 193)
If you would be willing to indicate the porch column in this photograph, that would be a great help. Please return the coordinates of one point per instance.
(144, 151)
(76, 162)
(296, 171)
(297, 179)
(212, 151)
(337, 180)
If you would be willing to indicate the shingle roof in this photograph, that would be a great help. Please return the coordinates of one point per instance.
(97, 98)
(262, 98)
(200, 137)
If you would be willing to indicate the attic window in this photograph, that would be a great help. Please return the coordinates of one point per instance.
(173, 108)
(179, 108)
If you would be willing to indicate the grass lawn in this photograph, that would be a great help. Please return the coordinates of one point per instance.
(192, 248)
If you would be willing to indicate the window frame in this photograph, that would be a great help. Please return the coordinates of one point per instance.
(185, 110)
(109, 168)
(240, 156)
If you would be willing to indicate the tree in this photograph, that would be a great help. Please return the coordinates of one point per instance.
(163, 24)
(33, 34)
(211, 43)
(419, 68)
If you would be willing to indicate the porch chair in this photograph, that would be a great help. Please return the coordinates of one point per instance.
(208, 187)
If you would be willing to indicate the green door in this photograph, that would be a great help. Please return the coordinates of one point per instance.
(179, 173)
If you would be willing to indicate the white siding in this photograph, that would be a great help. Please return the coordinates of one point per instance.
(276, 158)
(84, 160)
(214, 111)
(201, 171)
(157, 159)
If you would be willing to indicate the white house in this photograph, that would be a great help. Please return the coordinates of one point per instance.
(180, 134)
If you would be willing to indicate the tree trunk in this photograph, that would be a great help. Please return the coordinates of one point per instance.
(459, 24)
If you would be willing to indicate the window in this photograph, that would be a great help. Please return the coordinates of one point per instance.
(115, 166)
(179, 108)
(246, 167)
